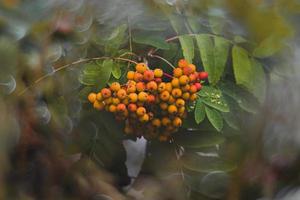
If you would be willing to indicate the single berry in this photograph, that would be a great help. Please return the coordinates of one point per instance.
(115, 86)
(193, 97)
(115, 101)
(163, 105)
(140, 86)
(141, 67)
(151, 98)
(130, 75)
(165, 121)
(183, 80)
(105, 92)
(98, 105)
(144, 118)
(158, 73)
(175, 82)
(131, 89)
(121, 94)
(177, 122)
(151, 86)
(133, 97)
(183, 63)
(198, 86)
(177, 72)
(180, 103)
(156, 122)
(148, 75)
(142, 96)
(165, 95)
(161, 87)
(138, 77)
(92, 97)
(140, 111)
(203, 75)
(186, 96)
(121, 107)
(132, 107)
(169, 87)
(193, 89)
(112, 108)
(176, 92)
(99, 96)
(172, 109)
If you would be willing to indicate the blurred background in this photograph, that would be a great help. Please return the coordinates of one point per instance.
(54, 146)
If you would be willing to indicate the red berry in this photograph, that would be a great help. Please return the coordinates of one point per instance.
(203, 75)
(198, 86)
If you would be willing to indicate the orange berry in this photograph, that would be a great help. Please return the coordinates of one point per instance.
(144, 118)
(151, 98)
(183, 80)
(175, 82)
(186, 96)
(176, 92)
(108, 101)
(158, 73)
(169, 87)
(165, 95)
(132, 107)
(131, 88)
(142, 96)
(141, 67)
(186, 88)
(152, 86)
(148, 75)
(171, 100)
(130, 75)
(112, 108)
(115, 86)
(182, 63)
(92, 97)
(105, 92)
(193, 77)
(140, 86)
(177, 72)
(193, 97)
(156, 122)
(161, 87)
(177, 122)
(141, 111)
(138, 77)
(193, 89)
(115, 101)
(192, 67)
(165, 121)
(133, 97)
(121, 107)
(122, 94)
(131, 82)
(99, 96)
(172, 109)
(163, 105)
(98, 105)
(180, 103)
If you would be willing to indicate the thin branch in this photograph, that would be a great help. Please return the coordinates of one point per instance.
(69, 65)
(161, 58)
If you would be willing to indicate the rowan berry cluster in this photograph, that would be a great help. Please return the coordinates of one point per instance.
(151, 107)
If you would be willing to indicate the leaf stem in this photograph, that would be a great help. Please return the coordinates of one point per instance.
(72, 64)
(161, 58)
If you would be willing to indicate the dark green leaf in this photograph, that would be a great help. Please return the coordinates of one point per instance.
(199, 111)
(215, 118)
(213, 97)
(187, 46)
(259, 81)
(231, 119)
(154, 40)
(220, 56)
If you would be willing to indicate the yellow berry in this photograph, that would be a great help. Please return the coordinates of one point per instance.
(175, 82)
(133, 97)
(144, 118)
(115, 101)
(121, 94)
(177, 122)
(169, 87)
(141, 111)
(161, 87)
(99, 96)
(193, 97)
(176, 92)
(183, 80)
(180, 103)
(177, 72)
(142, 96)
(112, 108)
(158, 73)
(186, 96)
(165, 121)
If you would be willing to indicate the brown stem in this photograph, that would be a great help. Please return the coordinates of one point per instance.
(69, 65)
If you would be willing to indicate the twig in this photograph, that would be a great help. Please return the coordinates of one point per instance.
(161, 58)
(69, 65)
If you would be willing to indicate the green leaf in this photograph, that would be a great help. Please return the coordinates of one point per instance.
(206, 47)
(96, 74)
(213, 97)
(220, 56)
(214, 54)
(154, 40)
(201, 164)
(231, 119)
(116, 39)
(214, 117)
(199, 139)
(242, 68)
(243, 98)
(116, 71)
(199, 111)
(187, 46)
(239, 39)
(268, 47)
